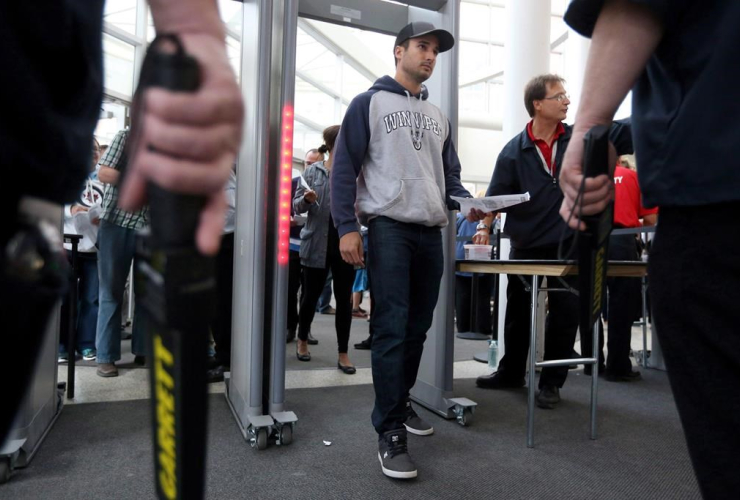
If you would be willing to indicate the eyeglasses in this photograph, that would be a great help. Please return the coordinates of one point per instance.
(559, 98)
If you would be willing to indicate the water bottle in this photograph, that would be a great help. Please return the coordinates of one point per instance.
(493, 354)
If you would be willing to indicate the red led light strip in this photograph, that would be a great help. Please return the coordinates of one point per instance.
(286, 177)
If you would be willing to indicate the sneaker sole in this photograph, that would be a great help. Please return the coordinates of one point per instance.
(418, 432)
(396, 474)
(106, 374)
(85, 358)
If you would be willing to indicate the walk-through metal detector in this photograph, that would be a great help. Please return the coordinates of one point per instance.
(255, 387)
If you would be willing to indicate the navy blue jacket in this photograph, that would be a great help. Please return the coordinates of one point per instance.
(519, 169)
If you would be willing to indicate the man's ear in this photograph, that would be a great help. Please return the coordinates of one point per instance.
(398, 51)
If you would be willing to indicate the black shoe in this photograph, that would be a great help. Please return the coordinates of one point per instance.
(589, 368)
(302, 357)
(311, 340)
(548, 397)
(497, 380)
(216, 374)
(290, 337)
(630, 376)
(415, 424)
(394, 456)
(349, 370)
(140, 360)
(364, 345)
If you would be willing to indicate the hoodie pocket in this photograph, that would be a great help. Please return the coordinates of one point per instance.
(419, 201)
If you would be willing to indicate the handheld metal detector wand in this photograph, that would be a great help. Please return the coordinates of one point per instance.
(593, 243)
(178, 287)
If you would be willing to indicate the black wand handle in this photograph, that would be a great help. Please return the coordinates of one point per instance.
(174, 217)
(593, 246)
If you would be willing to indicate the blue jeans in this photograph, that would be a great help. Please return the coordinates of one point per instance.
(87, 303)
(405, 263)
(116, 246)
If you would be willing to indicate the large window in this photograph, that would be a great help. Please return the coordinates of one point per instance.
(128, 28)
(333, 65)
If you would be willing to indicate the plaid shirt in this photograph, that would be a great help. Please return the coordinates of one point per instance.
(111, 212)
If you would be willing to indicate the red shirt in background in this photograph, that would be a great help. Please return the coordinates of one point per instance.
(628, 209)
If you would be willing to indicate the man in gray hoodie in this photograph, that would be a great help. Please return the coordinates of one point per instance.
(396, 165)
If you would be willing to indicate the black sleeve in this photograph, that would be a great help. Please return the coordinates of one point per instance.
(582, 14)
(620, 134)
(505, 178)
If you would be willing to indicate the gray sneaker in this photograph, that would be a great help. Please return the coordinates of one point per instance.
(415, 424)
(107, 370)
(394, 455)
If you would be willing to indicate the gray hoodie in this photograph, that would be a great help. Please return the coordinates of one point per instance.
(394, 157)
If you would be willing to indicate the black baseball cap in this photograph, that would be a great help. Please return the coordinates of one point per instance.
(420, 28)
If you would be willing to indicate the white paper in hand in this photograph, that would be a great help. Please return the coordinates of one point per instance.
(490, 203)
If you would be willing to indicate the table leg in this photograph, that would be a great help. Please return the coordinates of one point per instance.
(644, 322)
(531, 389)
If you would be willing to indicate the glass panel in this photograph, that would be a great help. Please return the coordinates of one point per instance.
(557, 64)
(231, 14)
(122, 14)
(305, 138)
(118, 57)
(313, 104)
(499, 26)
(112, 120)
(557, 28)
(353, 82)
(495, 99)
(476, 20)
(496, 58)
(316, 61)
(473, 97)
(472, 56)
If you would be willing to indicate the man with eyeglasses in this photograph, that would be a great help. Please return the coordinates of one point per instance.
(530, 163)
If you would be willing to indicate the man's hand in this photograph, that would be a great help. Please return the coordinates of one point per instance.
(310, 196)
(189, 140)
(476, 215)
(481, 237)
(597, 193)
(350, 245)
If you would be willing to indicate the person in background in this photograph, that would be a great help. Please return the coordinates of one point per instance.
(80, 219)
(295, 270)
(221, 323)
(361, 284)
(463, 283)
(320, 253)
(116, 249)
(531, 162)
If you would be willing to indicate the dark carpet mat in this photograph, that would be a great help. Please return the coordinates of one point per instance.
(100, 451)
